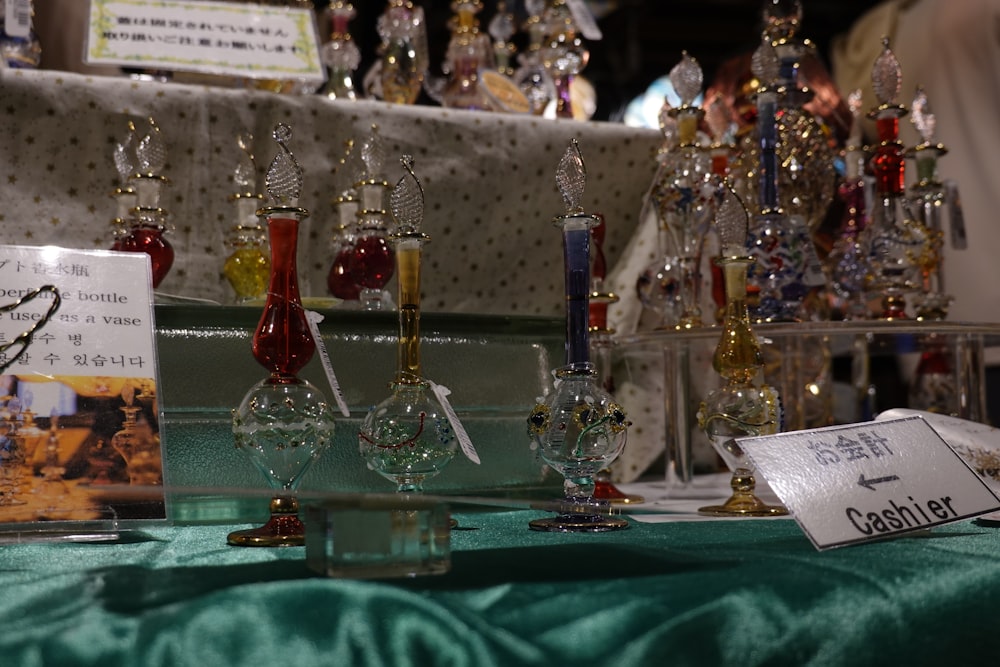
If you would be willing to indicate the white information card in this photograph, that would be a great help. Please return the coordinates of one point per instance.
(868, 481)
(222, 38)
(78, 393)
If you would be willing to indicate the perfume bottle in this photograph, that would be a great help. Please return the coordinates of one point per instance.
(563, 54)
(739, 407)
(502, 28)
(372, 262)
(531, 77)
(339, 282)
(137, 444)
(403, 58)
(283, 423)
(777, 242)
(846, 261)
(248, 267)
(407, 438)
(148, 217)
(340, 54)
(578, 429)
(684, 194)
(124, 194)
(927, 198)
(897, 246)
(469, 52)
(19, 45)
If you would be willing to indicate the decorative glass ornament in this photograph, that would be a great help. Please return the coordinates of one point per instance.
(340, 54)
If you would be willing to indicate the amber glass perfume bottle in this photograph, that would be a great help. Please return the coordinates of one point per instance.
(739, 407)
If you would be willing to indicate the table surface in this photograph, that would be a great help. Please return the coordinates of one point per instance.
(738, 592)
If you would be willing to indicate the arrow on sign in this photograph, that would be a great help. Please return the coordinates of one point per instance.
(870, 483)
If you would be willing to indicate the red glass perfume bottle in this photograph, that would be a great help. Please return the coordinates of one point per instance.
(373, 262)
(148, 224)
(284, 423)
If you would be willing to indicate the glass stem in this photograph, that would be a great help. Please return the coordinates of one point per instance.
(408, 270)
(576, 250)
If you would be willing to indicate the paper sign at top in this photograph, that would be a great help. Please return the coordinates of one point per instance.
(223, 38)
(868, 481)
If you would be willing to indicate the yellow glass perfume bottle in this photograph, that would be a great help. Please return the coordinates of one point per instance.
(738, 408)
(248, 267)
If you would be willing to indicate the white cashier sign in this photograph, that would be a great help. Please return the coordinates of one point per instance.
(868, 481)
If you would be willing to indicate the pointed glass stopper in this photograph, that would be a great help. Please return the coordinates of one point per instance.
(732, 222)
(245, 174)
(124, 155)
(501, 26)
(373, 154)
(407, 200)
(765, 64)
(571, 177)
(284, 176)
(151, 153)
(782, 19)
(686, 77)
(923, 118)
(886, 76)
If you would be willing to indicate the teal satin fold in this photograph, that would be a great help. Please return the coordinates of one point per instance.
(719, 593)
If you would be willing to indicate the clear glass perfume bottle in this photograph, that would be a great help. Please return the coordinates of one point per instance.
(407, 438)
(148, 216)
(248, 266)
(685, 194)
(739, 407)
(502, 28)
(403, 52)
(927, 197)
(372, 262)
(578, 429)
(340, 54)
(283, 423)
(531, 77)
(896, 245)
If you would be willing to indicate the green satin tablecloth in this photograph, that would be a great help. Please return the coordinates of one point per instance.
(713, 593)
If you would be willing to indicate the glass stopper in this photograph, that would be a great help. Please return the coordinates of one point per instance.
(765, 64)
(124, 155)
(782, 19)
(245, 174)
(731, 223)
(373, 154)
(571, 177)
(407, 200)
(151, 153)
(686, 77)
(284, 176)
(886, 76)
(923, 118)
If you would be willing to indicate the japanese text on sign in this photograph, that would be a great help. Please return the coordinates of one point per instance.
(244, 40)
